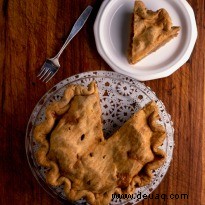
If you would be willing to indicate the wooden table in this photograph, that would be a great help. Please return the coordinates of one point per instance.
(31, 31)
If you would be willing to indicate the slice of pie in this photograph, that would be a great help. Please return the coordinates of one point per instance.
(72, 146)
(150, 31)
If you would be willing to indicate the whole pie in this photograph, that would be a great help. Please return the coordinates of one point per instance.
(150, 31)
(78, 156)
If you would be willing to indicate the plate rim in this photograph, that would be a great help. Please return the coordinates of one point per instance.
(149, 75)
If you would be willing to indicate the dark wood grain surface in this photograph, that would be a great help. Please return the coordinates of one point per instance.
(31, 31)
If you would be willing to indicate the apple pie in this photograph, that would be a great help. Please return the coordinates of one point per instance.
(150, 31)
(78, 156)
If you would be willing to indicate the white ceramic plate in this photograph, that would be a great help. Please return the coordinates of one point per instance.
(112, 32)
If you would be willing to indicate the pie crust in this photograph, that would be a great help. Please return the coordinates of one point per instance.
(72, 146)
(150, 31)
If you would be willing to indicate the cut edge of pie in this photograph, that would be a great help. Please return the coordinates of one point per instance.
(151, 116)
(150, 31)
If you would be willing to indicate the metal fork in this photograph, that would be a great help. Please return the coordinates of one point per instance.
(51, 66)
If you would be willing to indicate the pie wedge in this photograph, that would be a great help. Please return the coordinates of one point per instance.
(150, 31)
(89, 166)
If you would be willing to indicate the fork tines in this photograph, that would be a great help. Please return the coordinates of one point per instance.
(47, 71)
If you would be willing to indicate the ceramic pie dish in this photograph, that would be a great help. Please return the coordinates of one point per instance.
(120, 97)
(112, 33)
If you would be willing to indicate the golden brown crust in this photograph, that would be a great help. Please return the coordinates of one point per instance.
(44, 155)
(88, 165)
(150, 31)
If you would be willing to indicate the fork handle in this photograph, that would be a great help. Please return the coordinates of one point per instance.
(76, 28)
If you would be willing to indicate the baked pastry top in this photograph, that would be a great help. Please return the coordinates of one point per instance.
(150, 31)
(77, 154)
